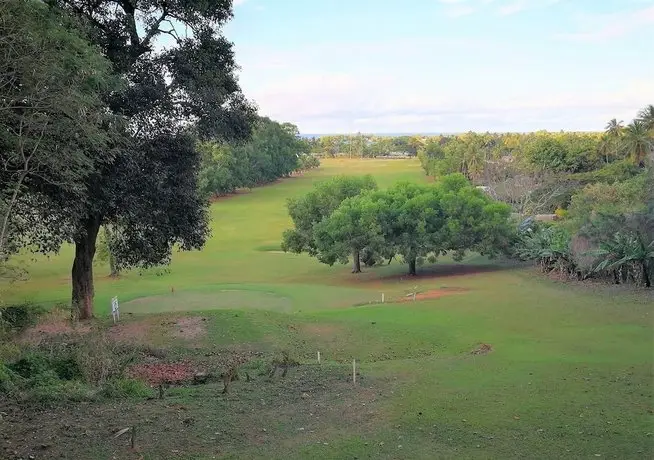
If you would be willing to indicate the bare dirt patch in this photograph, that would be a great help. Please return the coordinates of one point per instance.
(55, 322)
(259, 418)
(156, 373)
(190, 327)
(133, 332)
(482, 349)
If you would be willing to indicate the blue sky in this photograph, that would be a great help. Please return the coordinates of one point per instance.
(344, 66)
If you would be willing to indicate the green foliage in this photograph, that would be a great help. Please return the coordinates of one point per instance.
(19, 316)
(548, 245)
(171, 97)
(52, 118)
(272, 152)
(70, 368)
(125, 388)
(638, 141)
(348, 230)
(607, 198)
(308, 161)
(411, 220)
(623, 245)
(309, 210)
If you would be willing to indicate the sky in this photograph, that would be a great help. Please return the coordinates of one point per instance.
(430, 66)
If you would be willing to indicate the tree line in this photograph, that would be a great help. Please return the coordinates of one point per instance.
(348, 218)
(364, 145)
(274, 150)
(600, 187)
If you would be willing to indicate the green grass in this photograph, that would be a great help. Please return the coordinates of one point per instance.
(570, 373)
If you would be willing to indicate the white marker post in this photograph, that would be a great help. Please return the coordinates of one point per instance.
(354, 371)
(382, 297)
(318, 357)
(115, 311)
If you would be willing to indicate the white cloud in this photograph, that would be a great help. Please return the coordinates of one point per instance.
(342, 102)
(238, 2)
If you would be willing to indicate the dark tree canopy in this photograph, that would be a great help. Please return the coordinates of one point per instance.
(173, 95)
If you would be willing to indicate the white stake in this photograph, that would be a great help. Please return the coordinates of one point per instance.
(382, 297)
(354, 371)
(318, 357)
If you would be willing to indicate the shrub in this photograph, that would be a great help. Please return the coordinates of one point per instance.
(20, 316)
(70, 368)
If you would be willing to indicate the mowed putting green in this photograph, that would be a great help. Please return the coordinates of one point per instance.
(491, 361)
(198, 301)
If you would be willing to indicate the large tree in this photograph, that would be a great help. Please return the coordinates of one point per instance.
(414, 221)
(309, 210)
(411, 219)
(51, 115)
(175, 91)
(350, 229)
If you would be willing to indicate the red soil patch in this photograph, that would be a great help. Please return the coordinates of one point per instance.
(482, 349)
(157, 373)
(190, 328)
(433, 294)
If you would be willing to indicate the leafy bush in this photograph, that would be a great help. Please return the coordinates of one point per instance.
(548, 245)
(70, 368)
(308, 161)
(20, 316)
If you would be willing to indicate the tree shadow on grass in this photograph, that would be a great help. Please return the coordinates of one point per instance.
(444, 270)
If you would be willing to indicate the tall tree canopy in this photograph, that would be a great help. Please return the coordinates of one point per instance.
(51, 116)
(171, 95)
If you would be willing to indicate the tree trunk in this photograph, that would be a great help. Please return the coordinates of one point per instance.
(412, 266)
(646, 279)
(356, 262)
(82, 273)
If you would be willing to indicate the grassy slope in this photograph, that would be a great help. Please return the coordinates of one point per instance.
(570, 375)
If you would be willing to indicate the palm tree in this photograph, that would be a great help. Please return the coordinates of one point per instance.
(614, 128)
(637, 142)
(647, 116)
